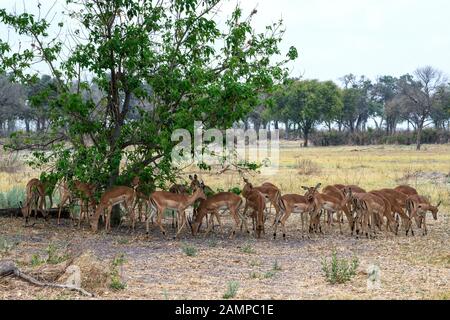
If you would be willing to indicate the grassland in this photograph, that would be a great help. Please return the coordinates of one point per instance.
(157, 268)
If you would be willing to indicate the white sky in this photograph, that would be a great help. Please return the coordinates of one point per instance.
(337, 37)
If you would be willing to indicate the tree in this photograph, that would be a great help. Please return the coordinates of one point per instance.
(12, 103)
(306, 102)
(384, 91)
(421, 96)
(196, 71)
(357, 104)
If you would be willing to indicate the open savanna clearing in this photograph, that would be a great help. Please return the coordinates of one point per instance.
(121, 265)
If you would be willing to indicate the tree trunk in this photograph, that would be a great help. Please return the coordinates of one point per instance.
(306, 138)
(277, 127)
(419, 137)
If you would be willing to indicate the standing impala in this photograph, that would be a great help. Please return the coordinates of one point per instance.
(83, 191)
(162, 200)
(288, 204)
(256, 202)
(325, 202)
(271, 194)
(417, 207)
(111, 198)
(224, 200)
(35, 198)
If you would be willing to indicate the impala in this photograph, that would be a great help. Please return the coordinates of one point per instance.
(221, 201)
(83, 191)
(112, 197)
(271, 194)
(256, 202)
(392, 224)
(399, 206)
(35, 199)
(418, 207)
(162, 200)
(288, 204)
(323, 201)
(409, 191)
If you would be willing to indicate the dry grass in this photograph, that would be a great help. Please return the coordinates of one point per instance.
(157, 268)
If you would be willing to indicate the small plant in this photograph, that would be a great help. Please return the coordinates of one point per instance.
(255, 263)
(307, 167)
(123, 241)
(276, 266)
(190, 251)
(248, 249)
(116, 281)
(254, 275)
(6, 245)
(53, 256)
(36, 260)
(232, 290)
(119, 260)
(269, 274)
(212, 243)
(339, 271)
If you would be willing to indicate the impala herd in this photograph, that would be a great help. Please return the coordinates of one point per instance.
(366, 213)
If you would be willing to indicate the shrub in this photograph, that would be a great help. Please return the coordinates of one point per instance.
(53, 256)
(116, 281)
(232, 290)
(248, 249)
(190, 251)
(339, 271)
(307, 167)
(6, 245)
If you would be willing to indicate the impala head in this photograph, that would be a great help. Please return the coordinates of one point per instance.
(311, 191)
(199, 192)
(94, 216)
(194, 182)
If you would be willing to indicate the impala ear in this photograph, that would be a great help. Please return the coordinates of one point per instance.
(305, 188)
(318, 186)
(190, 177)
(439, 204)
(195, 177)
(20, 205)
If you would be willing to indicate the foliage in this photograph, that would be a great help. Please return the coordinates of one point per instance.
(190, 251)
(155, 67)
(12, 198)
(248, 249)
(116, 281)
(338, 271)
(232, 290)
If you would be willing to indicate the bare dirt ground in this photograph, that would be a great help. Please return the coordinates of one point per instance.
(157, 268)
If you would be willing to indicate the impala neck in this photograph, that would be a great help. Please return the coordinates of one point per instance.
(193, 198)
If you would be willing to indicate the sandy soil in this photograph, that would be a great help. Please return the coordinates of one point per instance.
(157, 268)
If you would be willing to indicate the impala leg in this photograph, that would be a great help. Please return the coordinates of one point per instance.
(283, 222)
(236, 226)
(219, 222)
(183, 222)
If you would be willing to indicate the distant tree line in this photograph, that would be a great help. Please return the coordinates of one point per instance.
(361, 111)
(389, 106)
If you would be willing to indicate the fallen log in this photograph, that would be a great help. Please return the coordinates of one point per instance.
(9, 268)
(17, 212)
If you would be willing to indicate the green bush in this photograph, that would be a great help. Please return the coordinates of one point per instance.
(232, 290)
(339, 271)
(116, 281)
(190, 251)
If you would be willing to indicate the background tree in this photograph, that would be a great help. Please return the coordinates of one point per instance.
(421, 96)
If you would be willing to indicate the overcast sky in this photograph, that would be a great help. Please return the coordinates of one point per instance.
(337, 37)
